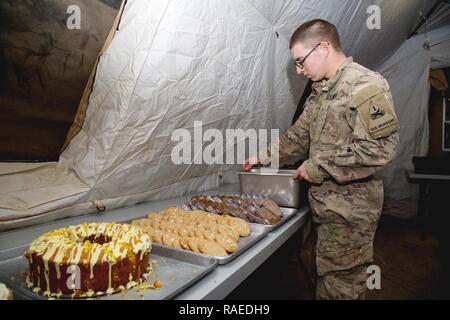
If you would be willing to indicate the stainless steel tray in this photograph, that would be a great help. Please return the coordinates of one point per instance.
(277, 185)
(244, 243)
(287, 214)
(176, 270)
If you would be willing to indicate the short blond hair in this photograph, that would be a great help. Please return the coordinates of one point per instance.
(314, 31)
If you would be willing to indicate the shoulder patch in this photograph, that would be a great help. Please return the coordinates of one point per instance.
(366, 93)
(376, 112)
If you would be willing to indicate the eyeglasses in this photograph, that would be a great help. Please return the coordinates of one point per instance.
(299, 63)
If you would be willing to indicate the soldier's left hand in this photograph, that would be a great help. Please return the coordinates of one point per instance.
(301, 174)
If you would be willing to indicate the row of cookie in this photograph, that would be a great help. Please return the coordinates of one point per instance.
(210, 243)
(187, 218)
(177, 213)
(182, 216)
(206, 231)
(169, 220)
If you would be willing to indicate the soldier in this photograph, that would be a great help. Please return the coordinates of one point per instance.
(347, 132)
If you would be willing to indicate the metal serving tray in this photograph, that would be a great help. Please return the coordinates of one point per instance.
(176, 270)
(244, 243)
(277, 185)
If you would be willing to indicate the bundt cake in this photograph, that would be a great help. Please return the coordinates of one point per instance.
(88, 260)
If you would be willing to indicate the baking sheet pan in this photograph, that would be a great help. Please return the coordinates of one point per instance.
(244, 243)
(176, 270)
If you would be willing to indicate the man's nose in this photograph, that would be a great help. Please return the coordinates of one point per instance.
(299, 70)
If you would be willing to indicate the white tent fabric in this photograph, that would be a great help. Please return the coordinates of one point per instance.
(225, 63)
(408, 74)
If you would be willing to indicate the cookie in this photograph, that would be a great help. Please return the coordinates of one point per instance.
(176, 242)
(154, 216)
(199, 232)
(222, 220)
(171, 226)
(155, 224)
(184, 243)
(179, 220)
(211, 248)
(211, 218)
(201, 224)
(171, 211)
(156, 236)
(228, 244)
(191, 230)
(162, 225)
(183, 231)
(140, 222)
(148, 229)
(193, 244)
(212, 227)
(171, 239)
(226, 230)
(199, 214)
(242, 226)
(209, 235)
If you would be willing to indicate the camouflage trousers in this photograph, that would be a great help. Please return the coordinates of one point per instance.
(346, 219)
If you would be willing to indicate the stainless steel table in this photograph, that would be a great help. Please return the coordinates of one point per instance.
(216, 285)
(222, 280)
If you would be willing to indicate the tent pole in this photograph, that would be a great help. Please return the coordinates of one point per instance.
(426, 17)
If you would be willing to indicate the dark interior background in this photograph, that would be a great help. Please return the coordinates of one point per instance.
(44, 68)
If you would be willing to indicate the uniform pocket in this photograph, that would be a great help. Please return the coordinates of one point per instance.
(343, 258)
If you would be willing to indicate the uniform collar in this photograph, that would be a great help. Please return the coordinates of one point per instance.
(327, 85)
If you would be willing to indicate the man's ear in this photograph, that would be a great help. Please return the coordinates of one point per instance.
(325, 51)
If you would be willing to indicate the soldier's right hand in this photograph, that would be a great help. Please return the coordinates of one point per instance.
(249, 163)
(301, 174)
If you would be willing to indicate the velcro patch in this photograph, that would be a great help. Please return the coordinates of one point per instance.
(378, 116)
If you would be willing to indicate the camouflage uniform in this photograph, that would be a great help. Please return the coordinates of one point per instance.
(347, 132)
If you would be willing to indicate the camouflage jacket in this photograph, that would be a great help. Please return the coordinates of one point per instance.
(348, 130)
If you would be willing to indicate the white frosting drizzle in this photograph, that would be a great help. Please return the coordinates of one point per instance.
(69, 245)
(97, 249)
(110, 289)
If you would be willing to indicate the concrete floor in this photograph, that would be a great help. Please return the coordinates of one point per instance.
(408, 257)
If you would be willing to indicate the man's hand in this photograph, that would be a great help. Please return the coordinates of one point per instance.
(301, 174)
(249, 163)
